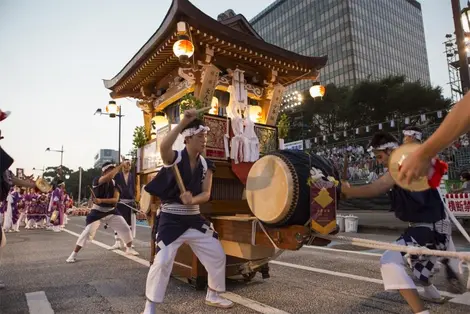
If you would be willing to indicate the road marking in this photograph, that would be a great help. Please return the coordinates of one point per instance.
(462, 299)
(321, 248)
(327, 272)
(346, 275)
(38, 303)
(252, 304)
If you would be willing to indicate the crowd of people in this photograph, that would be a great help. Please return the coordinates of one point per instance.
(361, 165)
(33, 209)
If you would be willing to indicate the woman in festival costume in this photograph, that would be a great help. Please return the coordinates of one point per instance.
(105, 198)
(56, 204)
(180, 220)
(11, 214)
(428, 227)
(42, 207)
(21, 206)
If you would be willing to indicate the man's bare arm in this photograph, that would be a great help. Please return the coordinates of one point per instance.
(205, 196)
(166, 147)
(378, 187)
(110, 175)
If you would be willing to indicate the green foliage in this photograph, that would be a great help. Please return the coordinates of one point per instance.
(283, 126)
(140, 137)
(190, 102)
(53, 174)
(71, 184)
(367, 103)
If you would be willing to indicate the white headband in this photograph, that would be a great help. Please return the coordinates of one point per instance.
(391, 145)
(416, 134)
(194, 131)
(107, 167)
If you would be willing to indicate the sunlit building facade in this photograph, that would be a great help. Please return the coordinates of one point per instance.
(362, 38)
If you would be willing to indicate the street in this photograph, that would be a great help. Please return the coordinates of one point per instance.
(337, 279)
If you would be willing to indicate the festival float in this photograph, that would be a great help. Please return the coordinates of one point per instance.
(264, 199)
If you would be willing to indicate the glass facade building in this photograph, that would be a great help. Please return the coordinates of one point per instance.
(362, 38)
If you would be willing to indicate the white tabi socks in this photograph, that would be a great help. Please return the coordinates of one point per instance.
(72, 257)
(214, 299)
(424, 312)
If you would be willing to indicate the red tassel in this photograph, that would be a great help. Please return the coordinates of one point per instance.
(439, 169)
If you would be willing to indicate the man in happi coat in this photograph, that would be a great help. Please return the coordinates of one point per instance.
(414, 134)
(105, 198)
(180, 220)
(428, 227)
(126, 206)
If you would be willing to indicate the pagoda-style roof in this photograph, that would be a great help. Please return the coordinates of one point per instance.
(233, 41)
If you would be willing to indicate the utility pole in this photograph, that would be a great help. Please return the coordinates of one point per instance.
(79, 185)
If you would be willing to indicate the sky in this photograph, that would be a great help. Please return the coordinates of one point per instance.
(54, 55)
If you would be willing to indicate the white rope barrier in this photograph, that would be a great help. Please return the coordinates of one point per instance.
(396, 247)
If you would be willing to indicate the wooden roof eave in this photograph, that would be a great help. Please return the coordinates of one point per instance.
(183, 10)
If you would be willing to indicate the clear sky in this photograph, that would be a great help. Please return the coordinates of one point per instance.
(54, 55)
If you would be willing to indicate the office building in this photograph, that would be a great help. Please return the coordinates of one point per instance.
(362, 38)
(105, 155)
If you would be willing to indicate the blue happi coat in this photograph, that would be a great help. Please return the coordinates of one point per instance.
(170, 226)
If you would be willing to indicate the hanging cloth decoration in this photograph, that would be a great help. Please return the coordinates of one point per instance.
(250, 139)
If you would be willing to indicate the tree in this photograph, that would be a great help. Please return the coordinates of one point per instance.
(367, 103)
(53, 174)
(71, 184)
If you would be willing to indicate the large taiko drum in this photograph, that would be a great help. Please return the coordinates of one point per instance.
(276, 189)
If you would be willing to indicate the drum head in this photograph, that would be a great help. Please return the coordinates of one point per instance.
(43, 185)
(394, 162)
(269, 189)
(145, 199)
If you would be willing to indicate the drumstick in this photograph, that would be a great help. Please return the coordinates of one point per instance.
(203, 109)
(179, 179)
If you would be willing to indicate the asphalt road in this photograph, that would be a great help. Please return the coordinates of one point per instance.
(339, 279)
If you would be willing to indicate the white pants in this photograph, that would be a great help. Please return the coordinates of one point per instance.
(20, 220)
(116, 222)
(393, 272)
(208, 250)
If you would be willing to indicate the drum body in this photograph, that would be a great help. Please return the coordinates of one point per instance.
(277, 190)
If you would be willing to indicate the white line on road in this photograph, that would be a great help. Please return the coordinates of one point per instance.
(346, 275)
(321, 248)
(254, 305)
(38, 303)
(462, 299)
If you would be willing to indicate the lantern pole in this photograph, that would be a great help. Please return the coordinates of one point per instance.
(460, 36)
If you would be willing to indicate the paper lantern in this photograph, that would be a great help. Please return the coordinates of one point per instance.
(214, 106)
(112, 109)
(317, 91)
(183, 48)
(255, 113)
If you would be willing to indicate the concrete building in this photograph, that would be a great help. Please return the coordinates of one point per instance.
(362, 38)
(105, 155)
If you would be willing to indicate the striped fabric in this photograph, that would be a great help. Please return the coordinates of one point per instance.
(180, 209)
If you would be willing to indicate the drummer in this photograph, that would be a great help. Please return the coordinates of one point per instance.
(125, 181)
(414, 134)
(180, 219)
(428, 227)
(106, 195)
